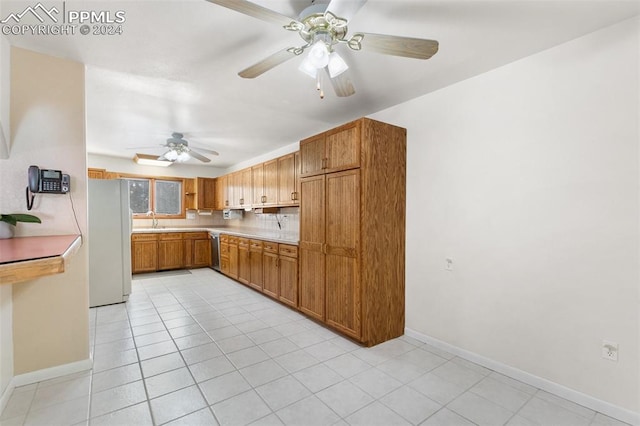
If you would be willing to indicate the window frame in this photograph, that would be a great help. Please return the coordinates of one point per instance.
(152, 195)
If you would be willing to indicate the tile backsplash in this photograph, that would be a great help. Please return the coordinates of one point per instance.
(288, 219)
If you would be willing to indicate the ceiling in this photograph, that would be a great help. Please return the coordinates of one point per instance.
(175, 66)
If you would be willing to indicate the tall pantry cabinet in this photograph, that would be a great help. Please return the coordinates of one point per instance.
(352, 229)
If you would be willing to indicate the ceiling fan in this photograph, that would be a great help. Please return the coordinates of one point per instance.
(180, 151)
(323, 26)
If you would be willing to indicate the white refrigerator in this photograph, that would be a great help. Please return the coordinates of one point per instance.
(109, 242)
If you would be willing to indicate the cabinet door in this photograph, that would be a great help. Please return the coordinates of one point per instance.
(144, 256)
(312, 240)
(286, 180)
(257, 182)
(289, 280)
(271, 276)
(342, 147)
(206, 193)
(255, 258)
(245, 187)
(170, 254)
(201, 253)
(312, 156)
(297, 177)
(271, 183)
(343, 252)
(244, 264)
(221, 197)
(233, 258)
(234, 189)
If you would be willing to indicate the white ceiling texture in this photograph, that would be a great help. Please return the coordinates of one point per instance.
(174, 67)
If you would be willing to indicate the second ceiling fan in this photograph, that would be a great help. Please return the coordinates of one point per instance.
(323, 27)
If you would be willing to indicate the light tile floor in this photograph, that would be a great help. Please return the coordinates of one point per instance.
(195, 348)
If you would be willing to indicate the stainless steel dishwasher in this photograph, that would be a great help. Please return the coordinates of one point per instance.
(215, 250)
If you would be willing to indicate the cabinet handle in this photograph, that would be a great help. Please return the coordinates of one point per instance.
(241, 201)
(226, 202)
(324, 163)
(264, 199)
(293, 196)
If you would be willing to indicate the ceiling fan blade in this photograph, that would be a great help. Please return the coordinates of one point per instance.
(342, 85)
(266, 64)
(256, 11)
(345, 8)
(208, 151)
(408, 47)
(198, 156)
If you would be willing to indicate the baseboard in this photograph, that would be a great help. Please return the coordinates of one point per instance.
(4, 398)
(585, 400)
(51, 373)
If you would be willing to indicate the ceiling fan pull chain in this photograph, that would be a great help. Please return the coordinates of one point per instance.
(319, 85)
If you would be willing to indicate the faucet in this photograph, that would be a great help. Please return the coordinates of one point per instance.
(154, 220)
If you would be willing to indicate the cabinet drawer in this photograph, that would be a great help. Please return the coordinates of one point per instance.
(170, 236)
(270, 247)
(195, 235)
(255, 245)
(144, 237)
(287, 250)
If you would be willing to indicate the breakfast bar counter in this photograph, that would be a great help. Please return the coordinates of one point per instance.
(27, 258)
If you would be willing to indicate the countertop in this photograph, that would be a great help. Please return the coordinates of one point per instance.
(257, 233)
(26, 258)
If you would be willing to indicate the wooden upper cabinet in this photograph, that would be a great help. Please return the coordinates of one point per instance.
(257, 181)
(287, 191)
(265, 184)
(312, 156)
(245, 187)
(222, 194)
(96, 173)
(270, 183)
(332, 151)
(342, 147)
(205, 193)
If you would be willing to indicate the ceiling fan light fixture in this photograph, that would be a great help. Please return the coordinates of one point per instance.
(319, 54)
(336, 65)
(171, 155)
(182, 157)
(307, 68)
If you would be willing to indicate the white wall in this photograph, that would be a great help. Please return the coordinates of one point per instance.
(527, 177)
(50, 320)
(6, 311)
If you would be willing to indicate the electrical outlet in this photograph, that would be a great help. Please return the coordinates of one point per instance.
(448, 265)
(609, 350)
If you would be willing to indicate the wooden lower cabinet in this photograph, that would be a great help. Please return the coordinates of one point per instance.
(197, 250)
(233, 257)
(244, 262)
(288, 269)
(151, 252)
(266, 266)
(256, 269)
(170, 251)
(144, 253)
(224, 254)
(271, 276)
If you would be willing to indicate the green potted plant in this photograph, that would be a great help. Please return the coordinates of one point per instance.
(9, 221)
